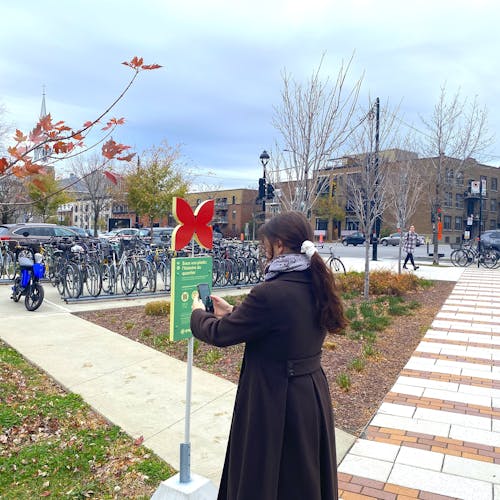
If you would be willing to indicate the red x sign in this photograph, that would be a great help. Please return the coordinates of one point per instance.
(192, 224)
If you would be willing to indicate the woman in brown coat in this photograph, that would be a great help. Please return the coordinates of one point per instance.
(282, 440)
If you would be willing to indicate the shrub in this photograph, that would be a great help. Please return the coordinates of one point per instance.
(343, 381)
(157, 308)
(351, 312)
(357, 364)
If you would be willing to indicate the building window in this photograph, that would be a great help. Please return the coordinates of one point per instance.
(458, 223)
(493, 205)
(234, 200)
(234, 228)
(493, 224)
(448, 199)
(459, 200)
(483, 205)
(459, 179)
(76, 218)
(494, 184)
(234, 214)
(447, 222)
(323, 186)
(449, 176)
(321, 224)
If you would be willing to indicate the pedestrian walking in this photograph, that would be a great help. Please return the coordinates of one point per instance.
(409, 244)
(282, 439)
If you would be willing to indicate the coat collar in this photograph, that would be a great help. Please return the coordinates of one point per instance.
(297, 276)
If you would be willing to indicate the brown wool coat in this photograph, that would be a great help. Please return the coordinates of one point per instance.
(282, 440)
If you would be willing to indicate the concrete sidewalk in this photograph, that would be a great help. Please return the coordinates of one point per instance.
(134, 386)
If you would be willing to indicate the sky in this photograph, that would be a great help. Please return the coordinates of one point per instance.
(223, 62)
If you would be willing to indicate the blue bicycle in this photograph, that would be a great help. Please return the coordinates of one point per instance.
(31, 270)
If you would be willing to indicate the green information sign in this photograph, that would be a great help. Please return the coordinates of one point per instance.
(187, 273)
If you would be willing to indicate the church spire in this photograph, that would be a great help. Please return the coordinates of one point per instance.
(41, 154)
(43, 110)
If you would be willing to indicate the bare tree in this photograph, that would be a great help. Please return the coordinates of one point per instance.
(95, 185)
(314, 121)
(456, 130)
(366, 185)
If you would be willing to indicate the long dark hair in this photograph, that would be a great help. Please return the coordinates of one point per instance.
(292, 229)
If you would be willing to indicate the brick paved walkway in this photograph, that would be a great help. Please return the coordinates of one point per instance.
(437, 433)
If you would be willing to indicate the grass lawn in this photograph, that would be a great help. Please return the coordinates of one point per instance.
(53, 445)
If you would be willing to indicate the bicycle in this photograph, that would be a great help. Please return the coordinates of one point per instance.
(27, 282)
(334, 262)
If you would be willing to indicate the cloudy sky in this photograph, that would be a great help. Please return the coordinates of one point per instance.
(223, 62)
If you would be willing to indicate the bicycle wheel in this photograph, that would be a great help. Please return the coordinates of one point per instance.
(336, 265)
(127, 274)
(93, 279)
(73, 283)
(164, 276)
(34, 296)
(459, 257)
(109, 281)
(488, 259)
(9, 266)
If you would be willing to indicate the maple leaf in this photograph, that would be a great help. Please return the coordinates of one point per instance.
(111, 149)
(88, 124)
(126, 158)
(46, 122)
(33, 168)
(36, 135)
(15, 152)
(111, 177)
(19, 137)
(19, 171)
(139, 441)
(3, 165)
(39, 184)
(151, 66)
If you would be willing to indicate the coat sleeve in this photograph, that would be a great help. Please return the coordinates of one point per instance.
(249, 321)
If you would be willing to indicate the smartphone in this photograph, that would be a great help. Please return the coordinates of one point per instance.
(204, 294)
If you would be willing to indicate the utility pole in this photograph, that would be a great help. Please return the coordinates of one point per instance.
(378, 217)
(264, 159)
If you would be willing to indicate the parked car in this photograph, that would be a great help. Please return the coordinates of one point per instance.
(84, 233)
(393, 239)
(161, 235)
(491, 239)
(356, 238)
(126, 233)
(34, 231)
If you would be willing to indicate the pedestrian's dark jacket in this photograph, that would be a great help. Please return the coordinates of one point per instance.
(282, 441)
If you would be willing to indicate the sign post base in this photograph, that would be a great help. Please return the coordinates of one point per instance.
(199, 488)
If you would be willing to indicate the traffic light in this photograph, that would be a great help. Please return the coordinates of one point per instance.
(262, 188)
(270, 192)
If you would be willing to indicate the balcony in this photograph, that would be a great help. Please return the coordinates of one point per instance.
(221, 205)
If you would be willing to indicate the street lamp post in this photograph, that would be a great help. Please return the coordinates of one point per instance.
(264, 159)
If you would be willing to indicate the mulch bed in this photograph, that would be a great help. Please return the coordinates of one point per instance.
(353, 408)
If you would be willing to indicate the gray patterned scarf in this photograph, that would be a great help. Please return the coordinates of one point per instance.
(285, 263)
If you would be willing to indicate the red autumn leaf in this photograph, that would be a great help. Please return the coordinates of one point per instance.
(36, 135)
(139, 441)
(78, 136)
(126, 158)
(19, 137)
(60, 147)
(111, 149)
(46, 122)
(19, 171)
(15, 152)
(111, 177)
(151, 66)
(39, 184)
(136, 61)
(3, 165)
(88, 124)
(33, 168)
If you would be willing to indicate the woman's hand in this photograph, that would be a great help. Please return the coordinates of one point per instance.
(221, 307)
(197, 304)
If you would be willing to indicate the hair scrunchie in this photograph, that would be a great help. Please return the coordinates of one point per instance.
(308, 248)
